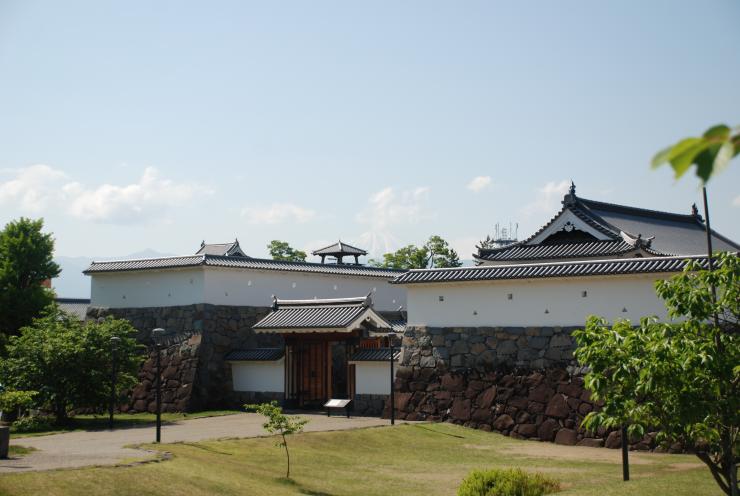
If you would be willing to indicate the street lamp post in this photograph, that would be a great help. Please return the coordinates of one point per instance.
(392, 397)
(114, 341)
(156, 337)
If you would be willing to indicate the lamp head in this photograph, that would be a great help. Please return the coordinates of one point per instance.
(157, 335)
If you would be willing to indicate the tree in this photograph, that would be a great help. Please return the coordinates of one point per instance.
(435, 252)
(69, 362)
(25, 263)
(442, 254)
(408, 257)
(681, 377)
(486, 244)
(281, 250)
(279, 423)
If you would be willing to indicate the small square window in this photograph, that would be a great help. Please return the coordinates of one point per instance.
(441, 298)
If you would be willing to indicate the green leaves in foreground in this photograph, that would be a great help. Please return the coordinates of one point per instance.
(711, 152)
(680, 378)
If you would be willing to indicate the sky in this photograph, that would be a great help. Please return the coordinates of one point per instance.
(155, 125)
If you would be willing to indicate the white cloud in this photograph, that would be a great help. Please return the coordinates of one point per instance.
(736, 201)
(33, 188)
(41, 188)
(149, 197)
(547, 199)
(388, 209)
(278, 213)
(479, 183)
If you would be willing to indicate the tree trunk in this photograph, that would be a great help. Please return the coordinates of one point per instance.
(287, 453)
(716, 470)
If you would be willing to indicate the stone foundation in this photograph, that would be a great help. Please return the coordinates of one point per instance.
(520, 382)
(197, 375)
(370, 405)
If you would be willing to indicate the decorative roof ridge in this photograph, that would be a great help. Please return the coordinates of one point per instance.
(151, 259)
(568, 262)
(546, 270)
(645, 212)
(300, 264)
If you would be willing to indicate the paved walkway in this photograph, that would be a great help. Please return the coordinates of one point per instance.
(83, 448)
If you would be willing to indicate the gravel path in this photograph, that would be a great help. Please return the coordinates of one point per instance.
(84, 448)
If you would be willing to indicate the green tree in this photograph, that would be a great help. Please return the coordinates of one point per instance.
(442, 254)
(436, 252)
(281, 250)
(25, 263)
(279, 423)
(408, 257)
(69, 362)
(681, 377)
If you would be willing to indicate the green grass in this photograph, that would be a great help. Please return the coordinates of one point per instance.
(100, 422)
(422, 459)
(15, 450)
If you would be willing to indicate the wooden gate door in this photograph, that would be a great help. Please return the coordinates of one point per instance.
(314, 374)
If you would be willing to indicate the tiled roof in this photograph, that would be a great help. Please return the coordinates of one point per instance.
(307, 314)
(238, 263)
(655, 232)
(375, 355)
(74, 306)
(399, 326)
(231, 249)
(339, 248)
(255, 355)
(676, 234)
(545, 270)
(564, 250)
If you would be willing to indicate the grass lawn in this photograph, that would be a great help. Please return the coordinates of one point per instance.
(14, 450)
(423, 459)
(100, 422)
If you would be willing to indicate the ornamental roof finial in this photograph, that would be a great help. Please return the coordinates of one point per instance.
(694, 210)
(569, 200)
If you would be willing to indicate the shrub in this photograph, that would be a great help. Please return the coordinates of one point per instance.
(31, 424)
(506, 482)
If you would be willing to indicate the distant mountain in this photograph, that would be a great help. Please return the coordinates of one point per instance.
(72, 283)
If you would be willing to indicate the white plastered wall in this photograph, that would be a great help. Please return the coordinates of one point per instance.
(238, 287)
(151, 288)
(534, 302)
(256, 287)
(259, 377)
(373, 377)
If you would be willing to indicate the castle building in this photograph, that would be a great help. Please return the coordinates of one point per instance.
(247, 329)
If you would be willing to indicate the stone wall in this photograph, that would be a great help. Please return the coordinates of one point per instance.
(370, 405)
(521, 382)
(203, 376)
(487, 347)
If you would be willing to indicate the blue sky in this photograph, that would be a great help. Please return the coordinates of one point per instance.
(133, 125)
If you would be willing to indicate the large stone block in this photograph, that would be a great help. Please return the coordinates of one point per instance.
(557, 407)
(568, 437)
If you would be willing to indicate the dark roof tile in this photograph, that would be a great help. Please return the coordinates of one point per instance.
(255, 355)
(542, 270)
(240, 263)
(375, 355)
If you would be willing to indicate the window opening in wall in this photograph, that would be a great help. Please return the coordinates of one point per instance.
(441, 298)
(584, 294)
(510, 296)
